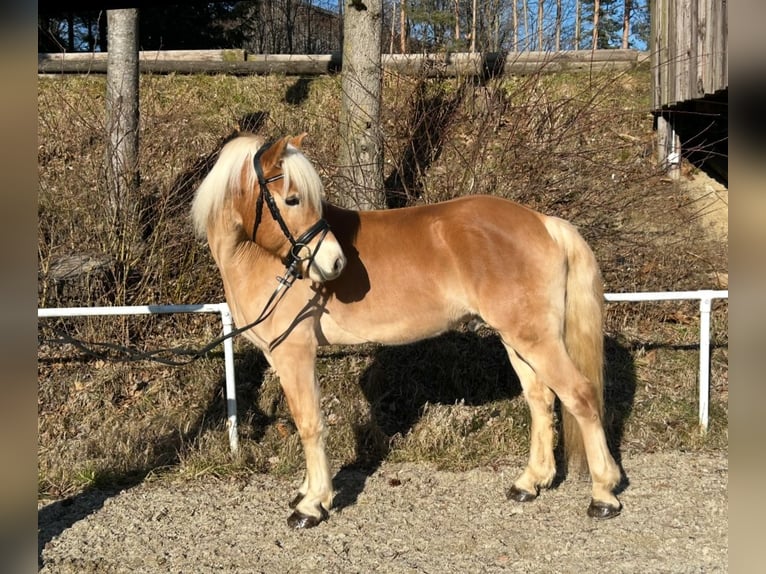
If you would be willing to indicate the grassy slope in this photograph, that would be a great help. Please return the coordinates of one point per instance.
(575, 146)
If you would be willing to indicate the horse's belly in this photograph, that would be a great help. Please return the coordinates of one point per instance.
(391, 329)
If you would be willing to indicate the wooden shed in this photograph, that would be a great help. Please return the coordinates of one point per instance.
(690, 83)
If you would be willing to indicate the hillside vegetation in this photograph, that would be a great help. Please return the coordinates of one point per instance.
(578, 146)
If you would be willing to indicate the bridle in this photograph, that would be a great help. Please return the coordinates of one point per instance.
(299, 245)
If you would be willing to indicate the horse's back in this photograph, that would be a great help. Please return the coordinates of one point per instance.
(479, 216)
(413, 272)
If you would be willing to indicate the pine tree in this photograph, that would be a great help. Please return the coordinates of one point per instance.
(607, 14)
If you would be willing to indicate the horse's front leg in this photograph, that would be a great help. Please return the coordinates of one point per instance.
(295, 365)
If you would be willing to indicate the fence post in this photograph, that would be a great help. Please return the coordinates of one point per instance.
(705, 308)
(231, 388)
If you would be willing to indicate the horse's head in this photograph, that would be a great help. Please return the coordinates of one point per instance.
(269, 194)
(286, 215)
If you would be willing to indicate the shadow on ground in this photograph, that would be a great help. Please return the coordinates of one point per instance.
(460, 366)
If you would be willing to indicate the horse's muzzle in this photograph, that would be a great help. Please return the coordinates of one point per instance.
(328, 263)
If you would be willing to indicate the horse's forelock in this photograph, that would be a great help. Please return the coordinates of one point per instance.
(300, 173)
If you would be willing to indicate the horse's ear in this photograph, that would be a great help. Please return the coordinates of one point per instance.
(297, 141)
(272, 157)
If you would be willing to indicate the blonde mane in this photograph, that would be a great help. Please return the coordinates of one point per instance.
(225, 179)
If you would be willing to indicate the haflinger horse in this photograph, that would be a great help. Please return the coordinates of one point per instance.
(402, 275)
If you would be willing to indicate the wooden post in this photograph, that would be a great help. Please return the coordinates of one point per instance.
(122, 112)
(668, 146)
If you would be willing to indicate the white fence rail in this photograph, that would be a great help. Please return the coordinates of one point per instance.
(705, 298)
(221, 309)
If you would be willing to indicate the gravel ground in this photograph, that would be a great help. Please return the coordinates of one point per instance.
(402, 518)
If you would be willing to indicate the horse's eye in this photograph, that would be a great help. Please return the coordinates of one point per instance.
(292, 200)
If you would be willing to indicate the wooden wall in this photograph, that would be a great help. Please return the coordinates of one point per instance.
(689, 49)
(690, 80)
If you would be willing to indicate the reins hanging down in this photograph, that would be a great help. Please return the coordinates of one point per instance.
(131, 354)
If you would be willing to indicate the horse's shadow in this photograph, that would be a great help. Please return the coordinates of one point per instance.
(459, 366)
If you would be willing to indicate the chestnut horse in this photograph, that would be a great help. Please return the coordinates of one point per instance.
(398, 276)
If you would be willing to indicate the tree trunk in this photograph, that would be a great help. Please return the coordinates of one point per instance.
(122, 111)
(393, 28)
(525, 6)
(102, 33)
(498, 24)
(457, 21)
(558, 25)
(70, 31)
(577, 26)
(515, 10)
(361, 141)
(540, 17)
(596, 10)
(403, 27)
(627, 8)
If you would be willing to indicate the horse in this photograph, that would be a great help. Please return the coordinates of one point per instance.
(398, 276)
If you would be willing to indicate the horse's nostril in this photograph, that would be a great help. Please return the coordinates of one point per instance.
(340, 263)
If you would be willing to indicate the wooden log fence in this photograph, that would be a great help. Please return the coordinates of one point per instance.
(239, 62)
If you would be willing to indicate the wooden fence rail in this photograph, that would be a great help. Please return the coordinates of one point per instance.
(238, 62)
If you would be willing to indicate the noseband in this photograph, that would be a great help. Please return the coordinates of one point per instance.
(321, 227)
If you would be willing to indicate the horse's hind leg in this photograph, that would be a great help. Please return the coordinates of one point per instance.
(553, 366)
(541, 468)
(295, 367)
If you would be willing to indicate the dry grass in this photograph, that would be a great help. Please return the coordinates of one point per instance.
(575, 146)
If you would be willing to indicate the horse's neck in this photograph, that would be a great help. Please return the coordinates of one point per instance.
(225, 240)
(238, 257)
(344, 223)
(249, 275)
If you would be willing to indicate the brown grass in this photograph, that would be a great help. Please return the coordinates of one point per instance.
(577, 146)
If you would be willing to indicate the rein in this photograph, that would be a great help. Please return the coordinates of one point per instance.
(292, 272)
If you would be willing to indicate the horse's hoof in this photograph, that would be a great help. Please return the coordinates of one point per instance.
(298, 520)
(603, 510)
(515, 493)
(296, 501)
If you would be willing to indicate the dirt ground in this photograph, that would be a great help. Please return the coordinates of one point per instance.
(401, 518)
(709, 201)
